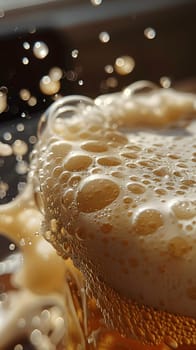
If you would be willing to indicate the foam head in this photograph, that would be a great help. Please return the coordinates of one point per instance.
(116, 177)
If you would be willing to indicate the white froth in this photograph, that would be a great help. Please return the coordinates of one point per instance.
(130, 188)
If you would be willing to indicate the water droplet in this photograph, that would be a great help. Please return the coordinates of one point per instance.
(19, 147)
(48, 86)
(23, 115)
(5, 150)
(40, 50)
(12, 247)
(150, 33)
(96, 2)
(3, 189)
(124, 65)
(80, 82)
(3, 99)
(55, 73)
(32, 101)
(18, 347)
(75, 53)
(24, 94)
(104, 37)
(32, 139)
(165, 82)
(20, 127)
(25, 60)
(21, 167)
(26, 45)
(7, 136)
(109, 69)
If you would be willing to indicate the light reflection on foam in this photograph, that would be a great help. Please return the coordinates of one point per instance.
(56, 293)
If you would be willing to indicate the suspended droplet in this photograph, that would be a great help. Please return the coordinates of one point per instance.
(150, 33)
(124, 65)
(104, 37)
(40, 50)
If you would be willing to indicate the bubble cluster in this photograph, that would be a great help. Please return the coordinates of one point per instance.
(124, 199)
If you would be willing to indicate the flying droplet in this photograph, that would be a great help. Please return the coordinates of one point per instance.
(96, 2)
(124, 65)
(104, 37)
(25, 60)
(25, 94)
(150, 33)
(48, 86)
(26, 45)
(75, 53)
(40, 50)
(165, 82)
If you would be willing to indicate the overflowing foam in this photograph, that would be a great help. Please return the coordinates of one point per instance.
(115, 182)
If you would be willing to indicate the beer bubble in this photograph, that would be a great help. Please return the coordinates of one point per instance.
(20, 127)
(32, 101)
(96, 2)
(32, 139)
(40, 50)
(26, 45)
(18, 347)
(109, 69)
(55, 73)
(5, 150)
(165, 82)
(12, 247)
(80, 82)
(150, 33)
(3, 189)
(19, 147)
(104, 37)
(3, 99)
(7, 136)
(75, 53)
(124, 65)
(48, 86)
(25, 60)
(24, 94)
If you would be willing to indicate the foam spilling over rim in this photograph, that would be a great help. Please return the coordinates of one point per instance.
(115, 179)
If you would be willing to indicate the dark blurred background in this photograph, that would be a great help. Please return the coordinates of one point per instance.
(88, 47)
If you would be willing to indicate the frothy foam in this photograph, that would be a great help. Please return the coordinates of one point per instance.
(100, 172)
(115, 181)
